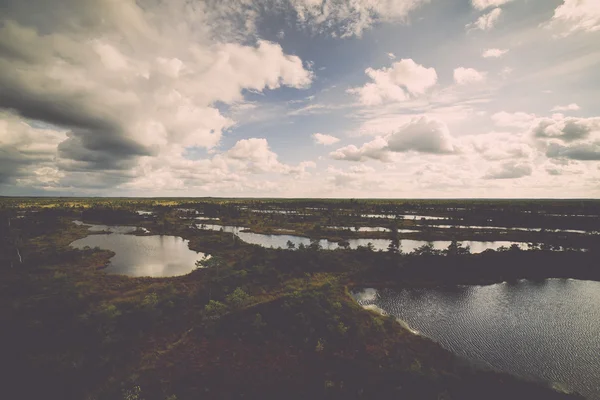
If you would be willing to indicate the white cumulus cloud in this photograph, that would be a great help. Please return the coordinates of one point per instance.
(569, 107)
(486, 21)
(494, 53)
(403, 80)
(464, 76)
(517, 119)
(374, 150)
(424, 135)
(323, 139)
(483, 4)
(576, 15)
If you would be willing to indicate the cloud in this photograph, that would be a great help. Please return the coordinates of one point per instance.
(580, 151)
(568, 138)
(486, 21)
(326, 140)
(312, 109)
(483, 4)
(494, 53)
(565, 129)
(231, 170)
(463, 76)
(423, 135)
(27, 151)
(255, 156)
(570, 107)
(558, 167)
(373, 150)
(516, 120)
(346, 18)
(128, 83)
(361, 169)
(509, 170)
(404, 79)
(576, 15)
(498, 146)
(358, 177)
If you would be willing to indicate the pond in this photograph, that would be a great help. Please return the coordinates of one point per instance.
(155, 256)
(404, 216)
(112, 228)
(280, 241)
(548, 330)
(144, 213)
(512, 229)
(360, 229)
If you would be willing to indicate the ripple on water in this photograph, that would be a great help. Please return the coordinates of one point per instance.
(548, 330)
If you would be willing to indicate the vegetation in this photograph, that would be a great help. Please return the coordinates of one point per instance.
(249, 321)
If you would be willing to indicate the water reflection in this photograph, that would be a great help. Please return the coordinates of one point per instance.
(545, 330)
(407, 245)
(155, 256)
(112, 228)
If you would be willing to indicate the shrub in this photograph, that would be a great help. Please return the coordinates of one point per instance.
(150, 300)
(60, 276)
(135, 393)
(215, 309)
(109, 311)
(320, 345)
(238, 298)
(342, 329)
(258, 322)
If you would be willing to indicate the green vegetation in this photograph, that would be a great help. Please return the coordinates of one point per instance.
(248, 322)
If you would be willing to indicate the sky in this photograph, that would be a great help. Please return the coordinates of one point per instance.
(300, 98)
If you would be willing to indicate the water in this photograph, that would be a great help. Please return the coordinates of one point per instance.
(547, 330)
(404, 216)
(360, 229)
(407, 246)
(503, 228)
(205, 218)
(512, 229)
(275, 211)
(122, 229)
(156, 256)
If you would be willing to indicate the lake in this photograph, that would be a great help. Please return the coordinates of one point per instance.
(407, 245)
(548, 330)
(155, 256)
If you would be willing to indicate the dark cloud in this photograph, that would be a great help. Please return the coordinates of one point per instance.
(29, 87)
(567, 130)
(90, 150)
(95, 179)
(24, 148)
(509, 171)
(72, 15)
(581, 152)
(11, 164)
